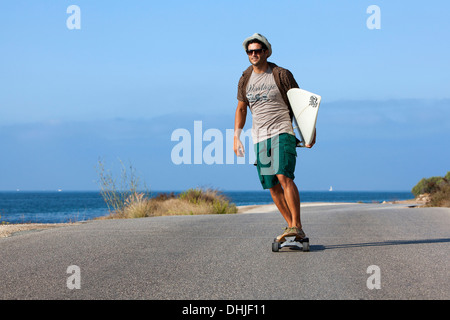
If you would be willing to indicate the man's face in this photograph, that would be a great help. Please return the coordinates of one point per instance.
(255, 58)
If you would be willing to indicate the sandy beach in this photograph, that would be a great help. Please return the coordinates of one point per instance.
(272, 207)
(7, 230)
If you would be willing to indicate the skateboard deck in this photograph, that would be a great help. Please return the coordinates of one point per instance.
(291, 241)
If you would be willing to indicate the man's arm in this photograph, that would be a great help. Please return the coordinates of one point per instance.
(239, 122)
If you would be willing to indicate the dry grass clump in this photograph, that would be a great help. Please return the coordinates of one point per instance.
(440, 198)
(125, 201)
(190, 202)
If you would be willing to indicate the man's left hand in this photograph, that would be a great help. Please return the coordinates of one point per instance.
(313, 141)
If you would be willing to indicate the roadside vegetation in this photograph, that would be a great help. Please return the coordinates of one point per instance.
(125, 198)
(435, 189)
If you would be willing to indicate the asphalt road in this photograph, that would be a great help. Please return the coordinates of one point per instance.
(230, 257)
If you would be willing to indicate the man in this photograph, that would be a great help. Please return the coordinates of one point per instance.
(263, 88)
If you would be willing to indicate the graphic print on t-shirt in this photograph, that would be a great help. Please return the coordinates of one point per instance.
(260, 92)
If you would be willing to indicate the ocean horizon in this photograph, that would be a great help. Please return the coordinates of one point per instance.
(73, 206)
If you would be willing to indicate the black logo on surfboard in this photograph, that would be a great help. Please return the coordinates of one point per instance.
(313, 101)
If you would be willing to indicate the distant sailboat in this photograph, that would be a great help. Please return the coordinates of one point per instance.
(331, 188)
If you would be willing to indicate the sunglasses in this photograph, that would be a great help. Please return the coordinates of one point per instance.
(257, 51)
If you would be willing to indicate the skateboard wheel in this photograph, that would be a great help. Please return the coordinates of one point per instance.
(275, 246)
(305, 246)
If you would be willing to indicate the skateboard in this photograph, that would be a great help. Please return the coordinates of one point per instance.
(290, 242)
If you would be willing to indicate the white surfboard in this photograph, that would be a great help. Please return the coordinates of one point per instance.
(305, 106)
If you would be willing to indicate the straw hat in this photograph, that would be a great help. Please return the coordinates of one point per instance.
(261, 38)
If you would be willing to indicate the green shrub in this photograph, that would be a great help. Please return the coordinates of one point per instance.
(429, 185)
(437, 187)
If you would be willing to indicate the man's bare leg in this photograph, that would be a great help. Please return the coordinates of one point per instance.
(278, 197)
(291, 201)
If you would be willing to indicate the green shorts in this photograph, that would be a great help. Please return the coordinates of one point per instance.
(276, 155)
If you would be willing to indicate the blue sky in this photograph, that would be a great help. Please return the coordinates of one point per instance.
(138, 70)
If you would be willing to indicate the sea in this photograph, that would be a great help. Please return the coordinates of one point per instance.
(77, 206)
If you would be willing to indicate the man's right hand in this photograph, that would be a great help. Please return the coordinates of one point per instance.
(238, 147)
(239, 122)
